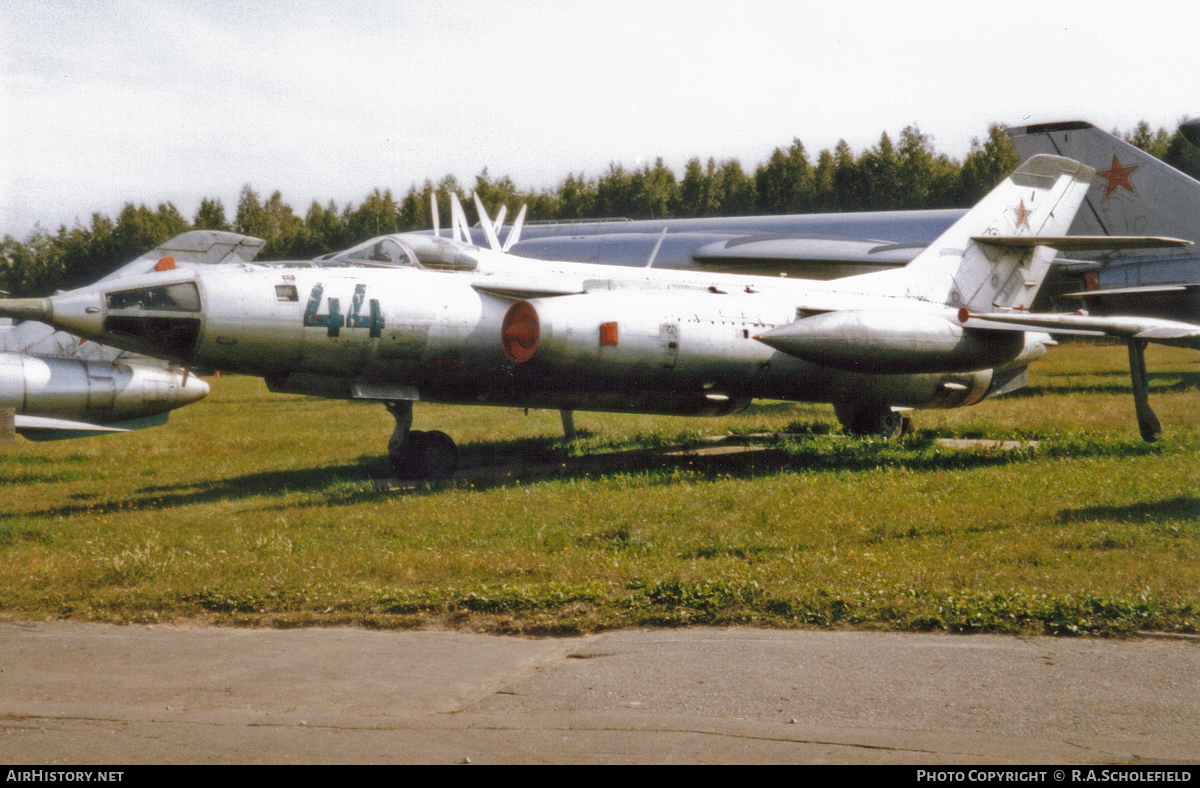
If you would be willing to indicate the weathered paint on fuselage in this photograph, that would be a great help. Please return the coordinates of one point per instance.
(681, 351)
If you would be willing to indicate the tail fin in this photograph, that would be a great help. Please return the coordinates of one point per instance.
(986, 260)
(1134, 193)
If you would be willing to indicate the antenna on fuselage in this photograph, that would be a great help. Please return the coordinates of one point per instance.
(657, 246)
(499, 223)
(489, 232)
(514, 235)
(458, 220)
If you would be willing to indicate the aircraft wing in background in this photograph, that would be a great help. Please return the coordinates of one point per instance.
(812, 246)
(1134, 193)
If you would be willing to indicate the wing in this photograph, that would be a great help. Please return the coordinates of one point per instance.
(43, 428)
(1147, 329)
(1169, 301)
(810, 256)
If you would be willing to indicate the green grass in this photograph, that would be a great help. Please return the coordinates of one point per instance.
(259, 508)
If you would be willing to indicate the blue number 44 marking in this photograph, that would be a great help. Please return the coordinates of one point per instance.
(334, 320)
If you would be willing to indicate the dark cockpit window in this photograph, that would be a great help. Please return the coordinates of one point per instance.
(180, 297)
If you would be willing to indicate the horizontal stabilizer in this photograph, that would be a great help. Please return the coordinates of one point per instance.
(1142, 290)
(1081, 243)
(1150, 329)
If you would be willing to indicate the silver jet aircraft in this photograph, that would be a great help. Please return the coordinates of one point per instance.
(489, 328)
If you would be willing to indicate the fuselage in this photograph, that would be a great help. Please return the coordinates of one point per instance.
(656, 341)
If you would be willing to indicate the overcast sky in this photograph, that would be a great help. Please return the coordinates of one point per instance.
(111, 101)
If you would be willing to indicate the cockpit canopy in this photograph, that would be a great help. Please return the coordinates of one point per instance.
(387, 251)
(178, 297)
(403, 250)
(415, 250)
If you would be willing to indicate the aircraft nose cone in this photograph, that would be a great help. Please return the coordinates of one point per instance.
(193, 389)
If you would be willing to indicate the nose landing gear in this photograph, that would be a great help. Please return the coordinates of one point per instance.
(414, 454)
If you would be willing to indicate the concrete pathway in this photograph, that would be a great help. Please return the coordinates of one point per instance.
(92, 693)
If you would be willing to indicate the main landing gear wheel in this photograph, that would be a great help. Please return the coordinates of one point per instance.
(419, 455)
(872, 420)
(437, 456)
(424, 455)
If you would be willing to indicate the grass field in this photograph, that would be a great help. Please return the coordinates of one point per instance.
(258, 508)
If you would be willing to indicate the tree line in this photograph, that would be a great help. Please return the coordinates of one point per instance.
(904, 175)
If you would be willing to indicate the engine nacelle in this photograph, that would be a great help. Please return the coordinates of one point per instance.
(894, 342)
(594, 330)
(684, 353)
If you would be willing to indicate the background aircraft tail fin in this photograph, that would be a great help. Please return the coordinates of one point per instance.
(1133, 193)
(985, 261)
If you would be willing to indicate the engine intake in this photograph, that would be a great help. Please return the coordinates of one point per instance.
(520, 332)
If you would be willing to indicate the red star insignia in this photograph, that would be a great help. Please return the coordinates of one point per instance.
(1117, 177)
(1023, 215)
